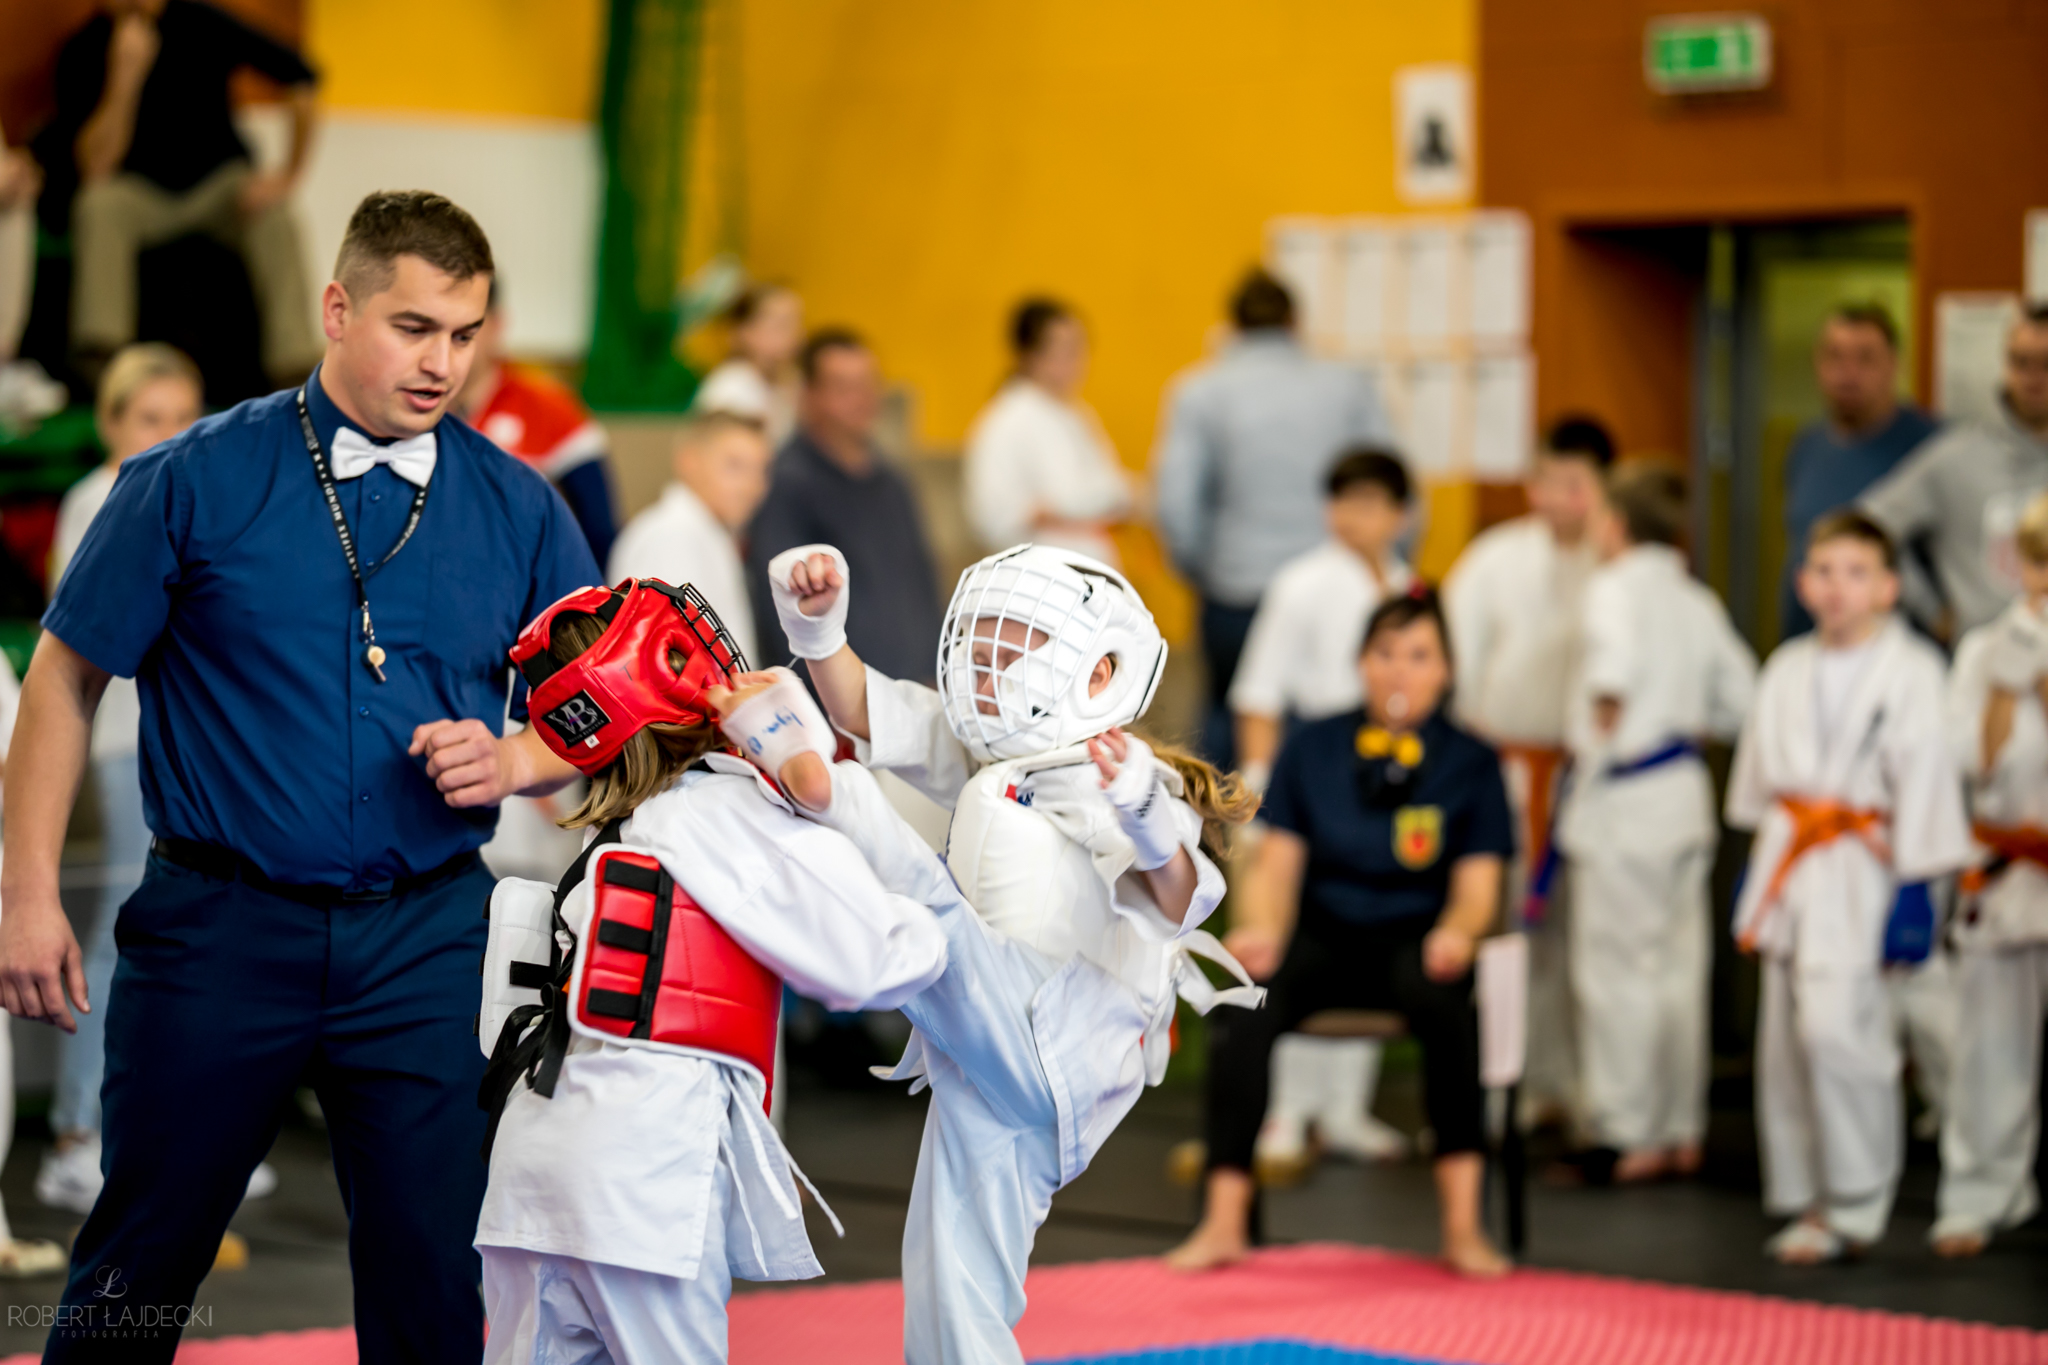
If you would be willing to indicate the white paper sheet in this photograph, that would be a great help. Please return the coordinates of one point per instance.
(1433, 133)
(1497, 246)
(1437, 407)
(1431, 283)
(1503, 991)
(1969, 353)
(1300, 252)
(1503, 416)
(1369, 266)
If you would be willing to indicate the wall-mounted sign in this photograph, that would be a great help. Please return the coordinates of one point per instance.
(1433, 134)
(1686, 54)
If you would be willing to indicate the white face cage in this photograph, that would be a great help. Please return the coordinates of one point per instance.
(1022, 635)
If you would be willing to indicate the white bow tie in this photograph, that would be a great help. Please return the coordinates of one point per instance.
(411, 459)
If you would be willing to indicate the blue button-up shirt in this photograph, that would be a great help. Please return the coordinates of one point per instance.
(213, 577)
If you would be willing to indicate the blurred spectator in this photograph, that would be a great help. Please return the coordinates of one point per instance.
(832, 485)
(1866, 433)
(528, 414)
(20, 181)
(1301, 657)
(149, 394)
(1246, 441)
(759, 379)
(1513, 599)
(26, 393)
(145, 132)
(1960, 496)
(1039, 466)
(19, 1258)
(688, 535)
(1380, 869)
(1301, 664)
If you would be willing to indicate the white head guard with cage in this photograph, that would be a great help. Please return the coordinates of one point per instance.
(1029, 693)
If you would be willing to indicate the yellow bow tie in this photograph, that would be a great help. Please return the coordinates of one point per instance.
(1376, 741)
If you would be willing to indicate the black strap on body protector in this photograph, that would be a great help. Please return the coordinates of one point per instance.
(535, 1038)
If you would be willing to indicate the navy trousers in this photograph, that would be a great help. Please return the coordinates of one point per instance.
(225, 1000)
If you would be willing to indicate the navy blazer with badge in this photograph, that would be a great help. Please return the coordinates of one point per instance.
(1382, 854)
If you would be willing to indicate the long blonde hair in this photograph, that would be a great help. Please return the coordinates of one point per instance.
(648, 762)
(135, 368)
(1221, 799)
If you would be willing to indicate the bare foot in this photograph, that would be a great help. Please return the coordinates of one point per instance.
(1808, 1241)
(1210, 1248)
(1641, 1166)
(1471, 1255)
(1687, 1158)
(1960, 1246)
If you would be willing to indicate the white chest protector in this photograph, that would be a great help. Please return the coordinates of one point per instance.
(1027, 878)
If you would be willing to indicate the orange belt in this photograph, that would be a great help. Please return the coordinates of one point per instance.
(2008, 844)
(1815, 821)
(1542, 762)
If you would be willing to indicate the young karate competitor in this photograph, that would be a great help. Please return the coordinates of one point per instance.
(1661, 670)
(1079, 847)
(1991, 1120)
(633, 1170)
(1845, 774)
(1300, 664)
(1512, 601)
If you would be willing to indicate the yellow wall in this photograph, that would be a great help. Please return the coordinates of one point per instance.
(508, 58)
(916, 166)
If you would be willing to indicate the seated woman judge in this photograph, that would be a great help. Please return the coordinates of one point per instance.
(1387, 830)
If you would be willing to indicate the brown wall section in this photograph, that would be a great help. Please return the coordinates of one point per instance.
(1934, 108)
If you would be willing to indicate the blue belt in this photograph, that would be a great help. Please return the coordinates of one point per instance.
(1673, 752)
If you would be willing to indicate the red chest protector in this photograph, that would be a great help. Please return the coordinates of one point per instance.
(656, 969)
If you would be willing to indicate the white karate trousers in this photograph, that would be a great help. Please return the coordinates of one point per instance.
(1992, 1121)
(990, 1161)
(559, 1310)
(1640, 959)
(1830, 1116)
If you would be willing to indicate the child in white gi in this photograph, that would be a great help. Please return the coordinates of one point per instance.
(1845, 774)
(1991, 1118)
(1661, 670)
(1512, 602)
(1300, 664)
(1079, 849)
(633, 1171)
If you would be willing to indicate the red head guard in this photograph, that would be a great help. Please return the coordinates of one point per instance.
(590, 707)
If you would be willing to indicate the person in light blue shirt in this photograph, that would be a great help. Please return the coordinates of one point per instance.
(1243, 451)
(1865, 435)
(315, 592)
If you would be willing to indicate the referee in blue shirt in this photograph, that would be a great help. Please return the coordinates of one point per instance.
(316, 592)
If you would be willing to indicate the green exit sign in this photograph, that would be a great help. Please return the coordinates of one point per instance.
(1685, 54)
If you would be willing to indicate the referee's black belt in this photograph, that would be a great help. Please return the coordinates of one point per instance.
(224, 864)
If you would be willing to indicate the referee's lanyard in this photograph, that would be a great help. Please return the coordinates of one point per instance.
(373, 653)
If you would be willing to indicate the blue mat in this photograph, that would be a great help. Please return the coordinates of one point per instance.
(1244, 1353)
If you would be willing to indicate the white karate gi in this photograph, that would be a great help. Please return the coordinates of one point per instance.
(1829, 1112)
(678, 541)
(629, 1201)
(1054, 1012)
(1512, 603)
(1031, 454)
(1641, 843)
(1301, 661)
(1991, 1121)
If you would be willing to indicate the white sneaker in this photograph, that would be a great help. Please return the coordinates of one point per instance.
(262, 1181)
(71, 1179)
(1364, 1138)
